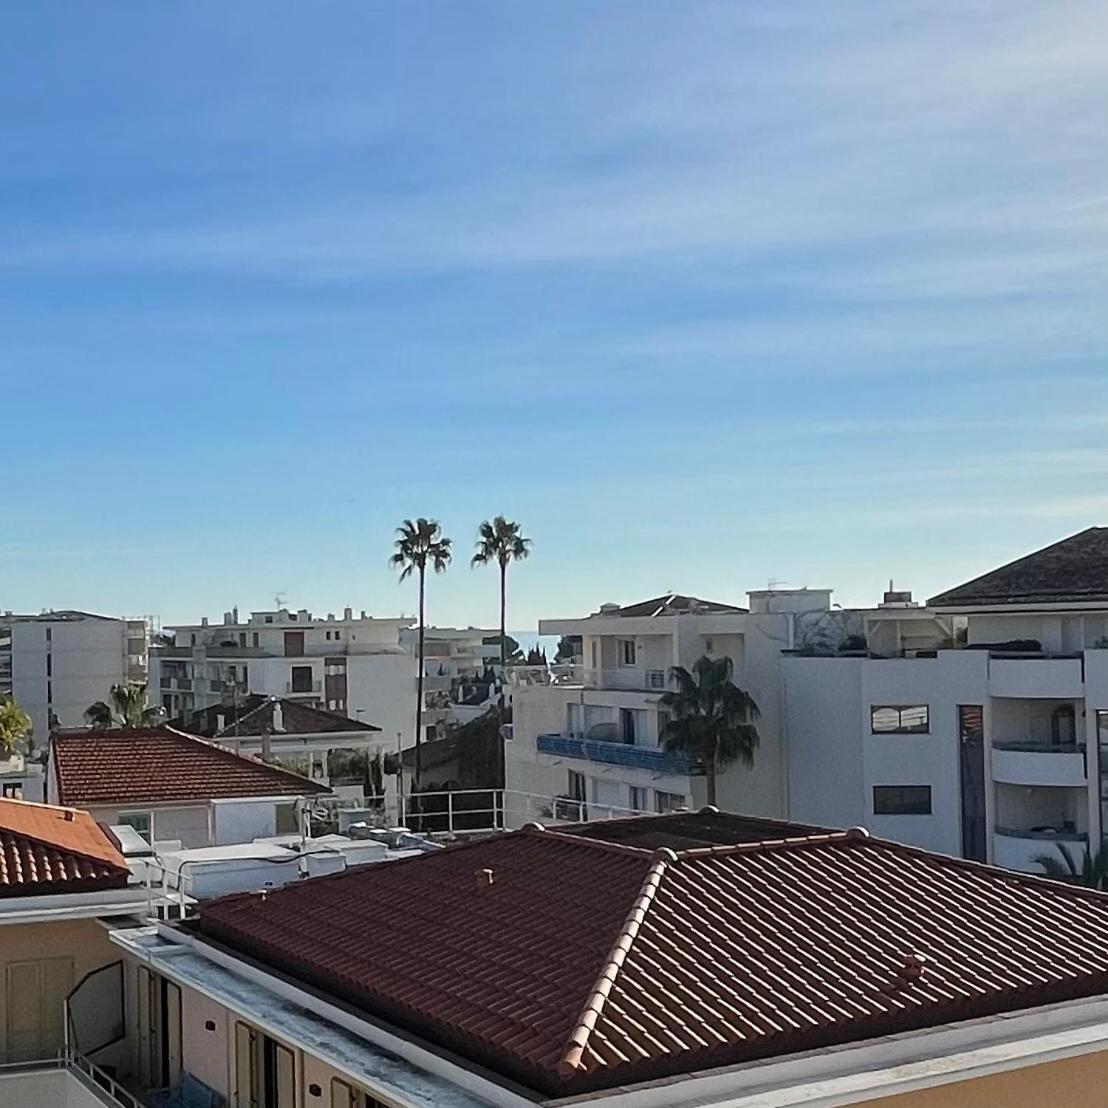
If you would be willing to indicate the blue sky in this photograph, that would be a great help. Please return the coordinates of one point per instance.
(703, 294)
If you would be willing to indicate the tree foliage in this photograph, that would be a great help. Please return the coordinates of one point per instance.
(14, 723)
(1090, 870)
(712, 720)
(127, 708)
(501, 542)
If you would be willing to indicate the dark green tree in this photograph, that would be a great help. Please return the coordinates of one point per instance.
(420, 546)
(500, 542)
(711, 719)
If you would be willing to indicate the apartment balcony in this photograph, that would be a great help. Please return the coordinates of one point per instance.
(623, 678)
(1040, 763)
(1017, 848)
(1035, 676)
(74, 1082)
(614, 754)
(180, 684)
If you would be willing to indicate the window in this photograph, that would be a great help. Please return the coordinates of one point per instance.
(971, 765)
(576, 784)
(637, 798)
(902, 800)
(257, 640)
(627, 652)
(294, 644)
(49, 692)
(242, 638)
(328, 636)
(627, 726)
(667, 802)
(49, 665)
(301, 679)
(899, 719)
(49, 634)
(708, 646)
(140, 821)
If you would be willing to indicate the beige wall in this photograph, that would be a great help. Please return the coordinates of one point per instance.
(1075, 1083)
(206, 1054)
(85, 941)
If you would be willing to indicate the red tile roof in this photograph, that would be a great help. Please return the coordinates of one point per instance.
(158, 765)
(587, 964)
(44, 849)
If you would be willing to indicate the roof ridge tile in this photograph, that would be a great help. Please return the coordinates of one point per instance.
(578, 1040)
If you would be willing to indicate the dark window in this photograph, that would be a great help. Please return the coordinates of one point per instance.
(971, 753)
(49, 665)
(328, 636)
(899, 719)
(49, 634)
(256, 639)
(628, 651)
(49, 692)
(242, 638)
(576, 785)
(627, 726)
(294, 644)
(269, 619)
(667, 802)
(301, 679)
(902, 800)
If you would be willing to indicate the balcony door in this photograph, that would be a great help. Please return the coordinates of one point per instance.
(265, 1070)
(294, 644)
(34, 1007)
(159, 1005)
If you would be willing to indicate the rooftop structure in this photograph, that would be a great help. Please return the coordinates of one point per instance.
(590, 963)
(1073, 571)
(46, 849)
(158, 765)
(258, 714)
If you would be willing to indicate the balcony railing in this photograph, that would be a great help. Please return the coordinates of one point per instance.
(614, 753)
(629, 678)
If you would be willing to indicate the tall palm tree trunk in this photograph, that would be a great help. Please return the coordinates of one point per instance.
(419, 689)
(503, 609)
(713, 761)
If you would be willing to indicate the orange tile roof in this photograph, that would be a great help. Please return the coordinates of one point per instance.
(588, 964)
(156, 765)
(46, 849)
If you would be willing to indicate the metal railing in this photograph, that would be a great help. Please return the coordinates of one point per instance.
(613, 753)
(101, 1084)
(303, 686)
(627, 678)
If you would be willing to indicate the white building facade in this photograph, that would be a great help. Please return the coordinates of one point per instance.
(58, 663)
(977, 726)
(354, 665)
(588, 736)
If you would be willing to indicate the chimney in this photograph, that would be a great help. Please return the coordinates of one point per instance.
(235, 612)
(69, 819)
(912, 968)
(484, 878)
(203, 621)
(226, 619)
(220, 721)
(278, 717)
(348, 614)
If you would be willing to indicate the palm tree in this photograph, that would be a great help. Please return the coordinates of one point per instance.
(128, 709)
(1092, 871)
(14, 723)
(501, 542)
(419, 545)
(712, 719)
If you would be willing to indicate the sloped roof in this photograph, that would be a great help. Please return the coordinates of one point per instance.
(255, 717)
(685, 830)
(674, 604)
(587, 964)
(45, 849)
(1072, 571)
(157, 765)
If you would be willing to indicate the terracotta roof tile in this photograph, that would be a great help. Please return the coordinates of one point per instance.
(588, 964)
(45, 849)
(160, 765)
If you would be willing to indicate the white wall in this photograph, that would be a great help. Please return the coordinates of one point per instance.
(87, 657)
(242, 821)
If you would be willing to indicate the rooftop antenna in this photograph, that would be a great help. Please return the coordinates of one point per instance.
(278, 599)
(773, 584)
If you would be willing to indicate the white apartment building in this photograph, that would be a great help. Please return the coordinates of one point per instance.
(977, 725)
(588, 736)
(454, 660)
(56, 664)
(354, 665)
